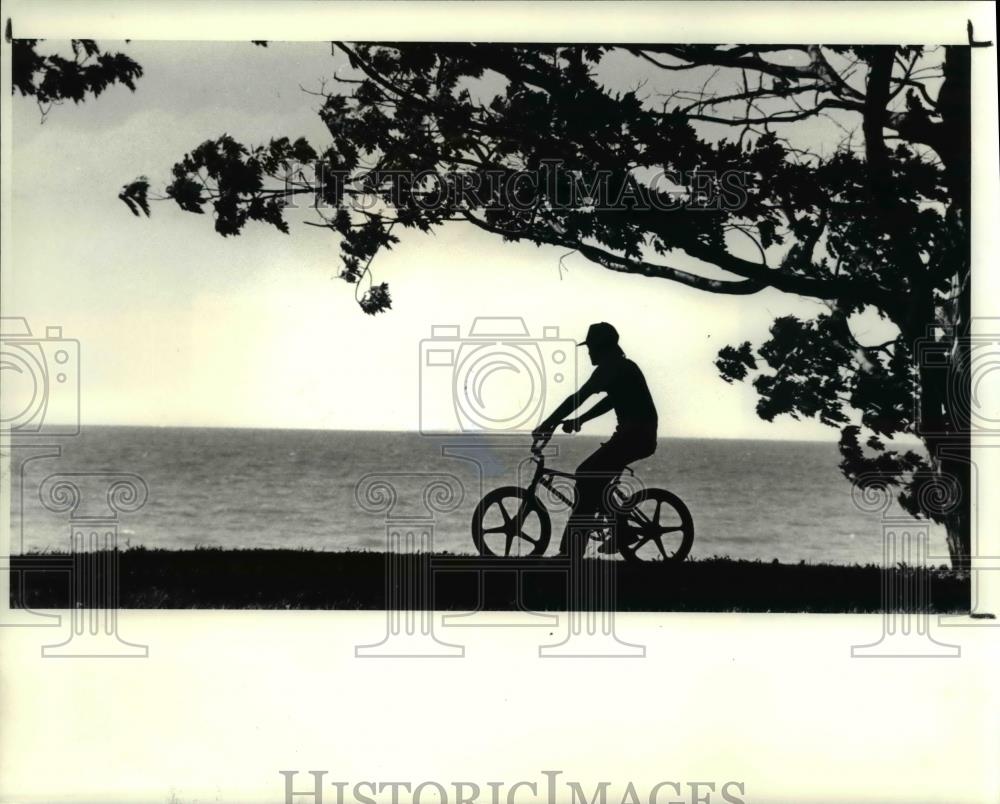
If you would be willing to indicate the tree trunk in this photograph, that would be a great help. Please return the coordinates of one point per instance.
(942, 422)
(955, 102)
(945, 419)
(956, 467)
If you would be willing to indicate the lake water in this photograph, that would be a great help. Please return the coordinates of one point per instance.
(239, 488)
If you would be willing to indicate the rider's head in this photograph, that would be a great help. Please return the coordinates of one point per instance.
(601, 342)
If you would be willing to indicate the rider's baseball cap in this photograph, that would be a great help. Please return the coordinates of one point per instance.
(600, 334)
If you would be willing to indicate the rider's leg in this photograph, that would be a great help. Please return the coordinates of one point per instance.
(623, 450)
(592, 479)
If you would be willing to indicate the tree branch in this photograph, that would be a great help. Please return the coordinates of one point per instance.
(620, 264)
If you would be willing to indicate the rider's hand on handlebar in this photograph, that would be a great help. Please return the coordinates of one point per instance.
(571, 426)
(541, 433)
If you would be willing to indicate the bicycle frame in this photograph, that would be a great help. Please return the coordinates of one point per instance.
(543, 477)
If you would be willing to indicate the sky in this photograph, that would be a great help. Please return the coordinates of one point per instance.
(179, 326)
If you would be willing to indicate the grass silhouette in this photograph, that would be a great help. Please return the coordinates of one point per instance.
(215, 578)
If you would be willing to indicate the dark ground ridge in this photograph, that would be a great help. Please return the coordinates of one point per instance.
(215, 578)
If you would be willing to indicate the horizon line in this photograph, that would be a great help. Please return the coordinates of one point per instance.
(446, 434)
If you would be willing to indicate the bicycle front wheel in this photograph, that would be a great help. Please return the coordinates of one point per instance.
(655, 525)
(509, 521)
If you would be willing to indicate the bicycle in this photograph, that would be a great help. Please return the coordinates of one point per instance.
(639, 518)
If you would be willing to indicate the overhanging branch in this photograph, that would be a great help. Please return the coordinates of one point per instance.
(627, 265)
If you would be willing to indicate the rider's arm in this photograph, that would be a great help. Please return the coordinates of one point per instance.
(568, 405)
(602, 407)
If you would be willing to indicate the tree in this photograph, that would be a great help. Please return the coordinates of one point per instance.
(424, 135)
(51, 79)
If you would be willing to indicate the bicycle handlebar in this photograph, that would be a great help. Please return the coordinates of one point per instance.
(538, 444)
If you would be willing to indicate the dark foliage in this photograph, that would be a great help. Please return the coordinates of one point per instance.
(53, 78)
(877, 227)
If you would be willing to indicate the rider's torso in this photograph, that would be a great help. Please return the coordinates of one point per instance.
(622, 380)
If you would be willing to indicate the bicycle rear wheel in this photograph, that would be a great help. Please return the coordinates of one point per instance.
(509, 521)
(655, 525)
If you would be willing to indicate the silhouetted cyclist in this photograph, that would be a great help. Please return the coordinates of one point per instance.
(634, 438)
